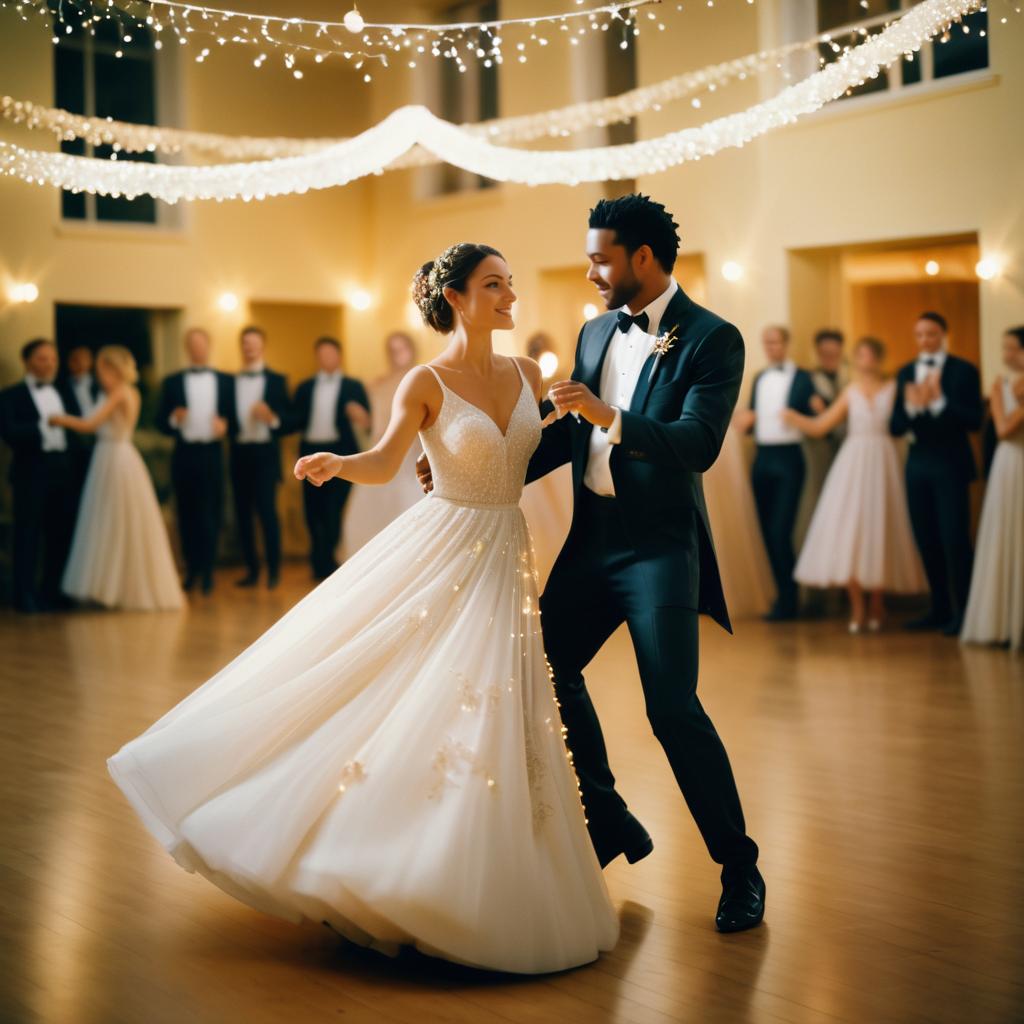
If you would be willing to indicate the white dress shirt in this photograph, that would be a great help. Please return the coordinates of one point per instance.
(82, 385)
(322, 427)
(771, 399)
(620, 374)
(936, 361)
(48, 403)
(201, 402)
(250, 386)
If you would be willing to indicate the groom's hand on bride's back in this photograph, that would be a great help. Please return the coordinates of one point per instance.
(423, 473)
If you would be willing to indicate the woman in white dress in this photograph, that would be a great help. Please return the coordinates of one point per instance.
(995, 608)
(739, 543)
(388, 758)
(372, 508)
(120, 555)
(860, 535)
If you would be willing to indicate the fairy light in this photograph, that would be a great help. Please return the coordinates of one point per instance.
(380, 146)
(558, 123)
(323, 38)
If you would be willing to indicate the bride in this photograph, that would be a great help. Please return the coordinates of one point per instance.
(388, 757)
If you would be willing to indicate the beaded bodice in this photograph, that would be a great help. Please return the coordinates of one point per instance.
(470, 459)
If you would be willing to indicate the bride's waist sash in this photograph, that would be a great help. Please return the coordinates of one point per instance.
(489, 506)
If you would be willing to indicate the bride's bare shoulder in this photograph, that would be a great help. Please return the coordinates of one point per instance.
(532, 373)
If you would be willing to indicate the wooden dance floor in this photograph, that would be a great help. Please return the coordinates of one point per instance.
(883, 777)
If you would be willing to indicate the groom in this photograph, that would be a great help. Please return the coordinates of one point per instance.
(651, 394)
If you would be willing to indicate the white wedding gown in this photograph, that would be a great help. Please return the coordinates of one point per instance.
(388, 757)
(995, 608)
(120, 555)
(861, 528)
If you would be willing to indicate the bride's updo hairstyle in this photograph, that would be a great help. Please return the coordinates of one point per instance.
(121, 361)
(450, 270)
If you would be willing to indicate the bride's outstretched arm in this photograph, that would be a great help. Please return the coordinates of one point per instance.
(410, 409)
(90, 424)
(824, 423)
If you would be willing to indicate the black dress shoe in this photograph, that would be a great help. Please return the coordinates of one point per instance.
(188, 582)
(207, 584)
(927, 622)
(272, 580)
(250, 579)
(742, 903)
(778, 614)
(954, 626)
(629, 837)
(28, 606)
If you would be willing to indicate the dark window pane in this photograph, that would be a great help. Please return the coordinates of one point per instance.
(964, 51)
(833, 13)
(911, 70)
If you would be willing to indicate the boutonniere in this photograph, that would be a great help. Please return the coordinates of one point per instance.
(662, 345)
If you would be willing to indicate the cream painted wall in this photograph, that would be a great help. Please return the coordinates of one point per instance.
(948, 161)
(308, 248)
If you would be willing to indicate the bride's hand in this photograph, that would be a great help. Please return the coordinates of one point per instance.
(318, 468)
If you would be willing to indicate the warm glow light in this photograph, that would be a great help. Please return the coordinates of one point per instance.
(360, 299)
(731, 270)
(931, 268)
(413, 319)
(548, 364)
(589, 311)
(354, 21)
(24, 291)
(228, 302)
(987, 269)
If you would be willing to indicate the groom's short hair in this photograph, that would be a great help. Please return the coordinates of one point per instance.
(638, 220)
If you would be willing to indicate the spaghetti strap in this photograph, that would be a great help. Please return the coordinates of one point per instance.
(437, 376)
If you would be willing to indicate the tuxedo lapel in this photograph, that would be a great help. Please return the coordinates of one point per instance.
(595, 357)
(655, 368)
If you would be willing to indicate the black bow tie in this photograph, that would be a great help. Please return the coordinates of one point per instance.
(929, 360)
(780, 367)
(198, 369)
(251, 373)
(41, 384)
(642, 320)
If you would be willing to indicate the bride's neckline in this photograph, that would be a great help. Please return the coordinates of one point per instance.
(490, 419)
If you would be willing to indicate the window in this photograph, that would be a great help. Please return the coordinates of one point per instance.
(467, 96)
(109, 74)
(963, 48)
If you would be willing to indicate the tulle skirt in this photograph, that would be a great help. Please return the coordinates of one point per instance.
(120, 555)
(388, 758)
(995, 609)
(860, 530)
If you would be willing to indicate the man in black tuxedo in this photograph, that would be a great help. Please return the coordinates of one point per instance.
(43, 477)
(327, 409)
(88, 393)
(938, 402)
(260, 415)
(195, 408)
(779, 468)
(651, 395)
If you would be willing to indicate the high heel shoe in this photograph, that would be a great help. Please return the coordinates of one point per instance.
(854, 626)
(874, 625)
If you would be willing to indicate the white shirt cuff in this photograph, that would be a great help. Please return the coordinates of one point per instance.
(275, 423)
(912, 410)
(615, 430)
(937, 405)
(175, 425)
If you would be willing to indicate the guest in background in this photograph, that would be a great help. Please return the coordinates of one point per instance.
(88, 393)
(938, 402)
(860, 536)
(995, 607)
(372, 508)
(120, 556)
(779, 468)
(261, 411)
(195, 408)
(82, 379)
(739, 546)
(328, 409)
(42, 476)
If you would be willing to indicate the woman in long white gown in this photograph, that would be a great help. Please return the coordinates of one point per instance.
(860, 535)
(388, 758)
(370, 509)
(739, 543)
(995, 608)
(120, 555)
